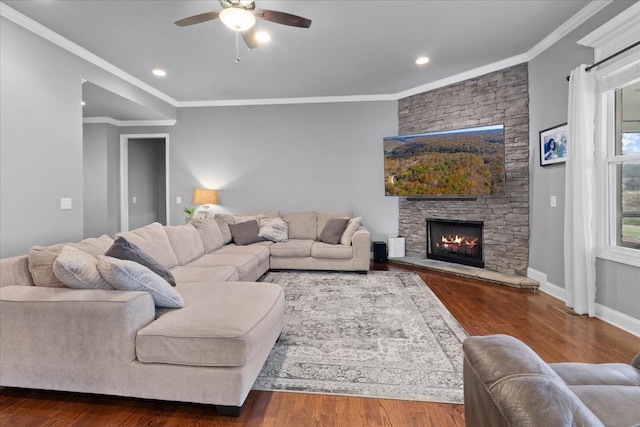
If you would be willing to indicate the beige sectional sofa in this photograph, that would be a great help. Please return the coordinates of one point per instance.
(118, 342)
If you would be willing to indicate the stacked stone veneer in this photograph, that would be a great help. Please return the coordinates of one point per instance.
(501, 97)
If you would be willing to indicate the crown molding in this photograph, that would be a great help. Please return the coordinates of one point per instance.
(285, 101)
(470, 74)
(126, 123)
(574, 22)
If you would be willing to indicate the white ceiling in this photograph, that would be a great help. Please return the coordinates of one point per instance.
(354, 48)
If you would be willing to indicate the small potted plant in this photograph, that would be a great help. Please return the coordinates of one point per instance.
(190, 212)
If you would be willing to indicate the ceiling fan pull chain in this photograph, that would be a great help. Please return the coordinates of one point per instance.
(237, 48)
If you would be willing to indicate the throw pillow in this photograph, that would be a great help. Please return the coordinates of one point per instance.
(352, 227)
(274, 229)
(78, 270)
(333, 230)
(246, 233)
(123, 249)
(125, 275)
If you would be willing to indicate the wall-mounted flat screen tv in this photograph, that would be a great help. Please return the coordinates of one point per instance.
(460, 162)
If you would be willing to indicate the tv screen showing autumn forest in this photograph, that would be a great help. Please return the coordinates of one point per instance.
(457, 162)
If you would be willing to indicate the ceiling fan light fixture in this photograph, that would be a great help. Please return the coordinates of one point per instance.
(237, 18)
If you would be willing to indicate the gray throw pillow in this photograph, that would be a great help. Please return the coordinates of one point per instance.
(123, 249)
(245, 233)
(332, 231)
(126, 275)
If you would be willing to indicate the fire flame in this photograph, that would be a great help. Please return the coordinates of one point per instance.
(459, 241)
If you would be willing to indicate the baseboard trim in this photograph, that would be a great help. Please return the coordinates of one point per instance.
(604, 313)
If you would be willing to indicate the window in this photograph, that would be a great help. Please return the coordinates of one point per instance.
(619, 168)
(617, 136)
(625, 165)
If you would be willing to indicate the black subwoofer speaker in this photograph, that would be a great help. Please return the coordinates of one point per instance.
(379, 251)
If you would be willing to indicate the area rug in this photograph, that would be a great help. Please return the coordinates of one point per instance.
(383, 334)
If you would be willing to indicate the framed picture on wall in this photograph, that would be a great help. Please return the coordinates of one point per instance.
(553, 145)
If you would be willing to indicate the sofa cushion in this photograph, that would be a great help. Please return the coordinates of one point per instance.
(613, 405)
(153, 240)
(201, 274)
(275, 229)
(185, 241)
(352, 227)
(293, 248)
(258, 250)
(245, 233)
(41, 258)
(224, 229)
(125, 275)
(323, 217)
(247, 265)
(210, 233)
(302, 225)
(332, 231)
(222, 324)
(330, 251)
(123, 249)
(78, 270)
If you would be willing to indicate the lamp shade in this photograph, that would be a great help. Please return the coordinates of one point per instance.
(205, 196)
(237, 18)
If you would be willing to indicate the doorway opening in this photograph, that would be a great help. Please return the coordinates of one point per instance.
(144, 180)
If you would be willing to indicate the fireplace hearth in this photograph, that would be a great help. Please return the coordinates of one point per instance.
(455, 241)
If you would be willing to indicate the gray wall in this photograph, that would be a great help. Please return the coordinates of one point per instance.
(101, 154)
(40, 142)
(41, 158)
(285, 157)
(617, 284)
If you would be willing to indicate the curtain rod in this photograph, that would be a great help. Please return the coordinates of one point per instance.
(609, 58)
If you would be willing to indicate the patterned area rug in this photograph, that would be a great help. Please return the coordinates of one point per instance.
(383, 334)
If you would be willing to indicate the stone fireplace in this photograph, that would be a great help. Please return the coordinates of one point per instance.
(500, 97)
(455, 241)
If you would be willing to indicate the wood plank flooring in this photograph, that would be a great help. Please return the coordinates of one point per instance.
(480, 307)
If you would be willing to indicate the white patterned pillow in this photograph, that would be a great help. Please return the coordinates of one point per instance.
(78, 269)
(274, 228)
(127, 275)
(352, 227)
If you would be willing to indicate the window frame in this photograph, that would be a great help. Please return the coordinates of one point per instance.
(616, 75)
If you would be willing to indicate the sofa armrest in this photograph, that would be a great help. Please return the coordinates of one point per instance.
(361, 243)
(70, 339)
(507, 384)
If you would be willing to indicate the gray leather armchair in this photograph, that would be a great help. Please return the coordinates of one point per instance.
(508, 384)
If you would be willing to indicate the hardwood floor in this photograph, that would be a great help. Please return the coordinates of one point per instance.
(480, 307)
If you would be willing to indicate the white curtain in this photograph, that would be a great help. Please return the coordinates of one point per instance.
(579, 227)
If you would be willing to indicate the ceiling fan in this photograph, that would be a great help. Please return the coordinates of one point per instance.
(240, 16)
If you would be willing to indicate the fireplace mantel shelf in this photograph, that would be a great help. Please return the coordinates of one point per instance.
(464, 270)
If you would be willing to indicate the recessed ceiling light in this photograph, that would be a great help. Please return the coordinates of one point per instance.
(422, 60)
(263, 37)
(159, 72)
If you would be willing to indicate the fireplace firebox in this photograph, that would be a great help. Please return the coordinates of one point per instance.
(455, 241)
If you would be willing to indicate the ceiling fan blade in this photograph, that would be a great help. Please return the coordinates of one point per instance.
(196, 19)
(283, 18)
(249, 38)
